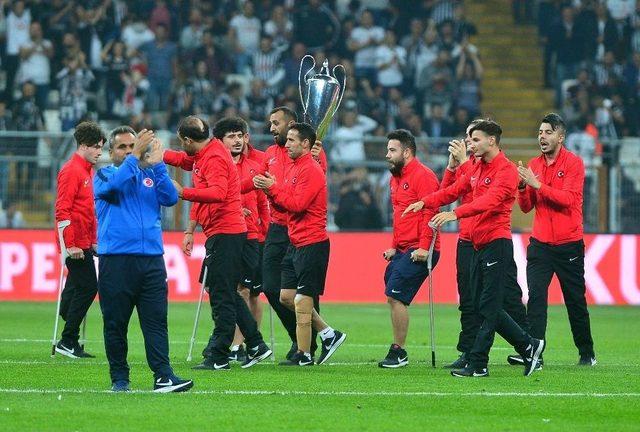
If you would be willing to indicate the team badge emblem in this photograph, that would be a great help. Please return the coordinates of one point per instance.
(560, 174)
(147, 182)
(487, 180)
(405, 186)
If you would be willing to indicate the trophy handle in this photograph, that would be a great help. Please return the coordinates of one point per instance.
(344, 84)
(300, 77)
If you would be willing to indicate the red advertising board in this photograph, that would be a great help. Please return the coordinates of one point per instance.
(29, 268)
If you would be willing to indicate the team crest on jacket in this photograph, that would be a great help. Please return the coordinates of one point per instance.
(196, 171)
(294, 180)
(560, 174)
(405, 186)
(147, 182)
(86, 183)
(487, 180)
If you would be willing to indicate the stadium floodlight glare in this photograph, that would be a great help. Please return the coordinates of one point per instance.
(195, 322)
(63, 257)
(431, 318)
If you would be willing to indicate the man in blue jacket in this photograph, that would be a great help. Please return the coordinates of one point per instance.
(128, 197)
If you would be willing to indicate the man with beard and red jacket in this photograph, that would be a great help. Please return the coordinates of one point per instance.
(75, 204)
(553, 184)
(218, 209)
(412, 237)
(301, 194)
(493, 184)
(277, 162)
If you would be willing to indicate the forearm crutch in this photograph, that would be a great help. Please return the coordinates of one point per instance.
(63, 257)
(431, 317)
(195, 322)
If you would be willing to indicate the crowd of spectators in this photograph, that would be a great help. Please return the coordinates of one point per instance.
(148, 63)
(592, 60)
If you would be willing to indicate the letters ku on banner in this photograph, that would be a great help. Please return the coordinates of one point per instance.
(29, 268)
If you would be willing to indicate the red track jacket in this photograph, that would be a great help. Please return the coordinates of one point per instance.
(302, 194)
(449, 177)
(558, 202)
(75, 203)
(254, 201)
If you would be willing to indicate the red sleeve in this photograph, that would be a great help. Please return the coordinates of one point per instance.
(68, 186)
(310, 183)
(216, 176)
(193, 213)
(449, 194)
(572, 188)
(466, 167)
(526, 199)
(504, 186)
(322, 160)
(178, 159)
(246, 185)
(263, 212)
(427, 185)
(448, 178)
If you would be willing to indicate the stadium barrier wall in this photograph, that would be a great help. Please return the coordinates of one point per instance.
(29, 266)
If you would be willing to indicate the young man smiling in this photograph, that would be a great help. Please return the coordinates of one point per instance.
(493, 184)
(302, 194)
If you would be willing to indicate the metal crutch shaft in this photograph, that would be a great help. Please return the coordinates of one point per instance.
(195, 323)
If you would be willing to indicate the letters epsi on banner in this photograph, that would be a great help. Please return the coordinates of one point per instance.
(29, 266)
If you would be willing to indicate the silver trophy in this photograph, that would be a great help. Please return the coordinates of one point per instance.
(321, 96)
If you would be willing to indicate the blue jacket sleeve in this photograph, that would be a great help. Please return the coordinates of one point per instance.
(106, 183)
(165, 190)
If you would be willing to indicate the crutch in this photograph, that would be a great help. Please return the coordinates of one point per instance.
(84, 330)
(63, 257)
(431, 319)
(273, 345)
(195, 323)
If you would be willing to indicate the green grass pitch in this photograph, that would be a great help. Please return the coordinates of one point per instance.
(39, 393)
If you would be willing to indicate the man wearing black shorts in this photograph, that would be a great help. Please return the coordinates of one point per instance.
(412, 237)
(302, 193)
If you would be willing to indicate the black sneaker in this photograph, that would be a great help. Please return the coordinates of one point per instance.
(396, 357)
(71, 350)
(459, 363)
(587, 361)
(330, 346)
(533, 353)
(120, 386)
(516, 360)
(171, 384)
(210, 364)
(292, 351)
(239, 355)
(470, 371)
(298, 359)
(256, 354)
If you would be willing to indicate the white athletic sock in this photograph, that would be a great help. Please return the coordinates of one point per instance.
(327, 333)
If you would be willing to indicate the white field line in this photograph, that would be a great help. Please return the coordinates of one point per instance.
(79, 363)
(184, 342)
(333, 393)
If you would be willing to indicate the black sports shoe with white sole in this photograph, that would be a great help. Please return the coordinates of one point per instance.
(396, 358)
(171, 384)
(459, 363)
(533, 353)
(256, 354)
(470, 372)
(587, 361)
(330, 345)
(516, 360)
(298, 359)
(239, 355)
(73, 351)
(292, 351)
(211, 364)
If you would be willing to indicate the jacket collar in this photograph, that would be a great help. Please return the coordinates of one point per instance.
(82, 162)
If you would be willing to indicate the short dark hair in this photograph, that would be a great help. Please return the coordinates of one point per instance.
(193, 127)
(556, 122)
(288, 112)
(406, 138)
(119, 131)
(88, 133)
(229, 124)
(489, 127)
(305, 132)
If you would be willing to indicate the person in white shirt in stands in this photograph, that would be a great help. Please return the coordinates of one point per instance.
(348, 139)
(35, 65)
(245, 31)
(390, 61)
(363, 41)
(11, 217)
(17, 28)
